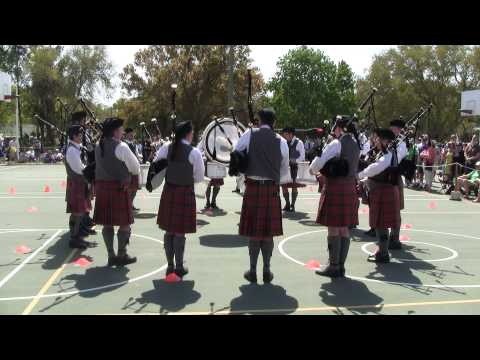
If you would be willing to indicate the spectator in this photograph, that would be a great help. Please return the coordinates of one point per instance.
(469, 181)
(428, 160)
(472, 152)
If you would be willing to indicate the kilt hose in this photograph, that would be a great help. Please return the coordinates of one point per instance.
(177, 212)
(294, 183)
(384, 204)
(402, 198)
(135, 184)
(216, 182)
(77, 197)
(338, 206)
(261, 210)
(113, 205)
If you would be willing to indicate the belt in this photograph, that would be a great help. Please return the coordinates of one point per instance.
(262, 182)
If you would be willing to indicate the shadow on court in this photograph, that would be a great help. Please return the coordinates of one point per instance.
(57, 253)
(201, 222)
(171, 297)
(223, 240)
(346, 292)
(297, 215)
(309, 223)
(144, 215)
(263, 297)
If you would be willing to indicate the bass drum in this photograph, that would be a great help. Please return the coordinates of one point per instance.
(220, 138)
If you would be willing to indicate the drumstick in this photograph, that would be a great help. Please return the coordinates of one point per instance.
(223, 131)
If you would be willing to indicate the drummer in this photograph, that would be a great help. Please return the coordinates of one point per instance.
(215, 183)
(297, 154)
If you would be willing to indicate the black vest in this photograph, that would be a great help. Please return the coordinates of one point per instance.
(70, 173)
(264, 155)
(391, 174)
(179, 170)
(108, 167)
(292, 150)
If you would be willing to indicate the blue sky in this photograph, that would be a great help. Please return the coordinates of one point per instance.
(264, 57)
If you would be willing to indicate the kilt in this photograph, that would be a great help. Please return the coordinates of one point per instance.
(321, 182)
(384, 205)
(261, 210)
(135, 183)
(177, 212)
(338, 206)
(77, 197)
(294, 183)
(113, 205)
(216, 182)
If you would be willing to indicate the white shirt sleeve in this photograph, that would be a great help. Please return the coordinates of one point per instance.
(377, 167)
(331, 150)
(244, 141)
(196, 160)
(401, 151)
(162, 152)
(74, 161)
(301, 149)
(123, 153)
(365, 148)
(285, 176)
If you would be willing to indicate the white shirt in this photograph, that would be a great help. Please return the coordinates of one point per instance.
(401, 151)
(300, 148)
(244, 144)
(377, 167)
(123, 153)
(195, 158)
(331, 150)
(73, 158)
(365, 144)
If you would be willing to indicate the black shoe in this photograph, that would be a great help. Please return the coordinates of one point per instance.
(126, 260)
(342, 271)
(395, 245)
(377, 258)
(89, 243)
(236, 191)
(208, 206)
(292, 208)
(214, 206)
(77, 243)
(87, 231)
(370, 232)
(181, 272)
(267, 277)
(135, 209)
(287, 208)
(330, 272)
(112, 261)
(170, 269)
(250, 276)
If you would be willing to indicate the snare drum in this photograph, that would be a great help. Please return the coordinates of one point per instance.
(216, 171)
(303, 175)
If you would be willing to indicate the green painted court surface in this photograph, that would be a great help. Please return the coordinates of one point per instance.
(437, 272)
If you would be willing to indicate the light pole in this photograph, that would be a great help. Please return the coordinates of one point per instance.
(174, 108)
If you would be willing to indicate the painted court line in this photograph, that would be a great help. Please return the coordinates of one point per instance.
(49, 283)
(22, 264)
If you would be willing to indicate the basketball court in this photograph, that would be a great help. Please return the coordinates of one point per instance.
(436, 272)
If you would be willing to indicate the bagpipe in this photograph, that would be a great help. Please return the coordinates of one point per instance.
(49, 124)
(320, 137)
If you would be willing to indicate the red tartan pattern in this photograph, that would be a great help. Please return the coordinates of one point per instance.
(77, 198)
(135, 183)
(384, 202)
(261, 210)
(338, 205)
(177, 212)
(113, 205)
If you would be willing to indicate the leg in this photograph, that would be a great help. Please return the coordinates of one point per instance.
(179, 250)
(382, 255)
(216, 190)
(108, 233)
(207, 195)
(132, 197)
(394, 239)
(294, 197)
(286, 196)
(169, 252)
(123, 236)
(266, 246)
(76, 242)
(344, 247)
(253, 252)
(334, 243)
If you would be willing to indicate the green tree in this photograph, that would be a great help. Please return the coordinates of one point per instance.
(201, 72)
(308, 88)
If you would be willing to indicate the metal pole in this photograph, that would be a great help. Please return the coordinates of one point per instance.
(17, 123)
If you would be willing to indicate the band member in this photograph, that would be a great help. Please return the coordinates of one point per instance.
(78, 196)
(384, 195)
(296, 155)
(261, 216)
(88, 157)
(115, 165)
(214, 183)
(396, 126)
(130, 141)
(177, 214)
(338, 201)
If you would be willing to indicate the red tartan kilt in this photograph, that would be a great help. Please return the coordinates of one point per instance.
(338, 206)
(261, 210)
(384, 206)
(216, 182)
(177, 212)
(135, 183)
(113, 205)
(76, 197)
